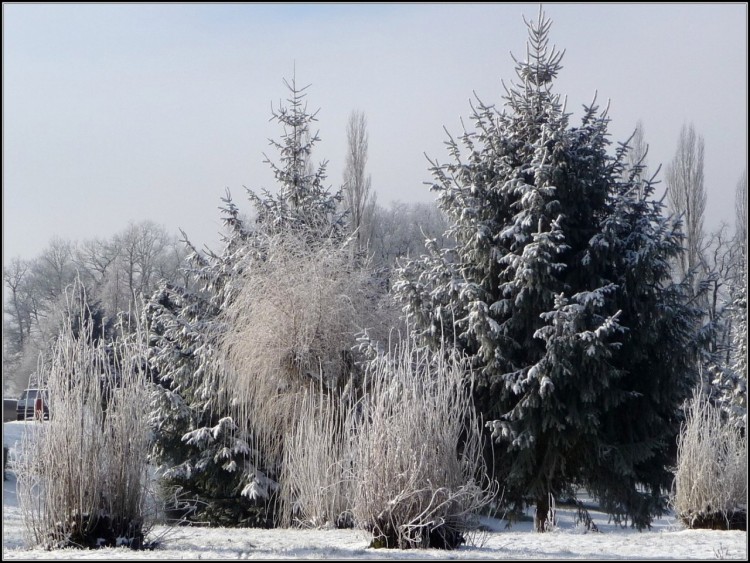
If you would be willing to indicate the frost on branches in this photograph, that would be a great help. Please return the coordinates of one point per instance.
(302, 201)
(213, 444)
(205, 463)
(291, 330)
(730, 381)
(559, 289)
(83, 476)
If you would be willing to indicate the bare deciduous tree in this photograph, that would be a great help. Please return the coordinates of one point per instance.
(400, 229)
(112, 270)
(142, 250)
(14, 277)
(718, 266)
(687, 195)
(55, 269)
(97, 258)
(359, 198)
(636, 156)
(19, 313)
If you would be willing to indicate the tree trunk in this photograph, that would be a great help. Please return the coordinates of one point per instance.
(540, 517)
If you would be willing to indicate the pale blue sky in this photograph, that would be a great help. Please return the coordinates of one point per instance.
(120, 112)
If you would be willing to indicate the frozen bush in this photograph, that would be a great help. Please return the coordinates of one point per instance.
(315, 491)
(417, 466)
(82, 476)
(291, 330)
(710, 486)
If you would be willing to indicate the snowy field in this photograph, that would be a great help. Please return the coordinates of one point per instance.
(666, 540)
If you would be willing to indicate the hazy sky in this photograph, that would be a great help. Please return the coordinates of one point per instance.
(120, 112)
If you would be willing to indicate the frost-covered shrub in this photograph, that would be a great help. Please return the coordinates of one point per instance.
(82, 476)
(291, 329)
(315, 490)
(417, 467)
(710, 486)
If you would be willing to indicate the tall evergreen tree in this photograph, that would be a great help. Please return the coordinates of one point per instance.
(729, 371)
(302, 200)
(205, 464)
(727, 366)
(561, 261)
(739, 365)
(197, 442)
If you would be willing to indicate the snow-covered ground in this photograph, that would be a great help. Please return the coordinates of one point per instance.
(666, 540)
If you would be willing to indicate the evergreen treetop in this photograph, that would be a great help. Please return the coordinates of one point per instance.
(302, 200)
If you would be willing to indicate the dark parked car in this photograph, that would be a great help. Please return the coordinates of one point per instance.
(31, 402)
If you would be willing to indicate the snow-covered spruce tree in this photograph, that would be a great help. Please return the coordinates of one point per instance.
(201, 446)
(302, 201)
(739, 346)
(658, 354)
(202, 460)
(83, 476)
(730, 375)
(558, 288)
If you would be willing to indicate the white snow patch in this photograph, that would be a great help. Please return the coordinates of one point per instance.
(666, 540)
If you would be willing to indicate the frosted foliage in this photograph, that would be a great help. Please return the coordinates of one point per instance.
(739, 392)
(417, 458)
(558, 288)
(315, 490)
(711, 473)
(292, 325)
(729, 374)
(89, 461)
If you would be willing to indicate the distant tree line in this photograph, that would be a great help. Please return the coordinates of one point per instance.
(115, 272)
(130, 265)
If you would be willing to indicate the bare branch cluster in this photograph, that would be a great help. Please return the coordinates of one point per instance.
(316, 488)
(291, 327)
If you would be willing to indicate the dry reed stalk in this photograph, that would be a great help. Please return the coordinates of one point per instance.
(82, 476)
(711, 474)
(419, 474)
